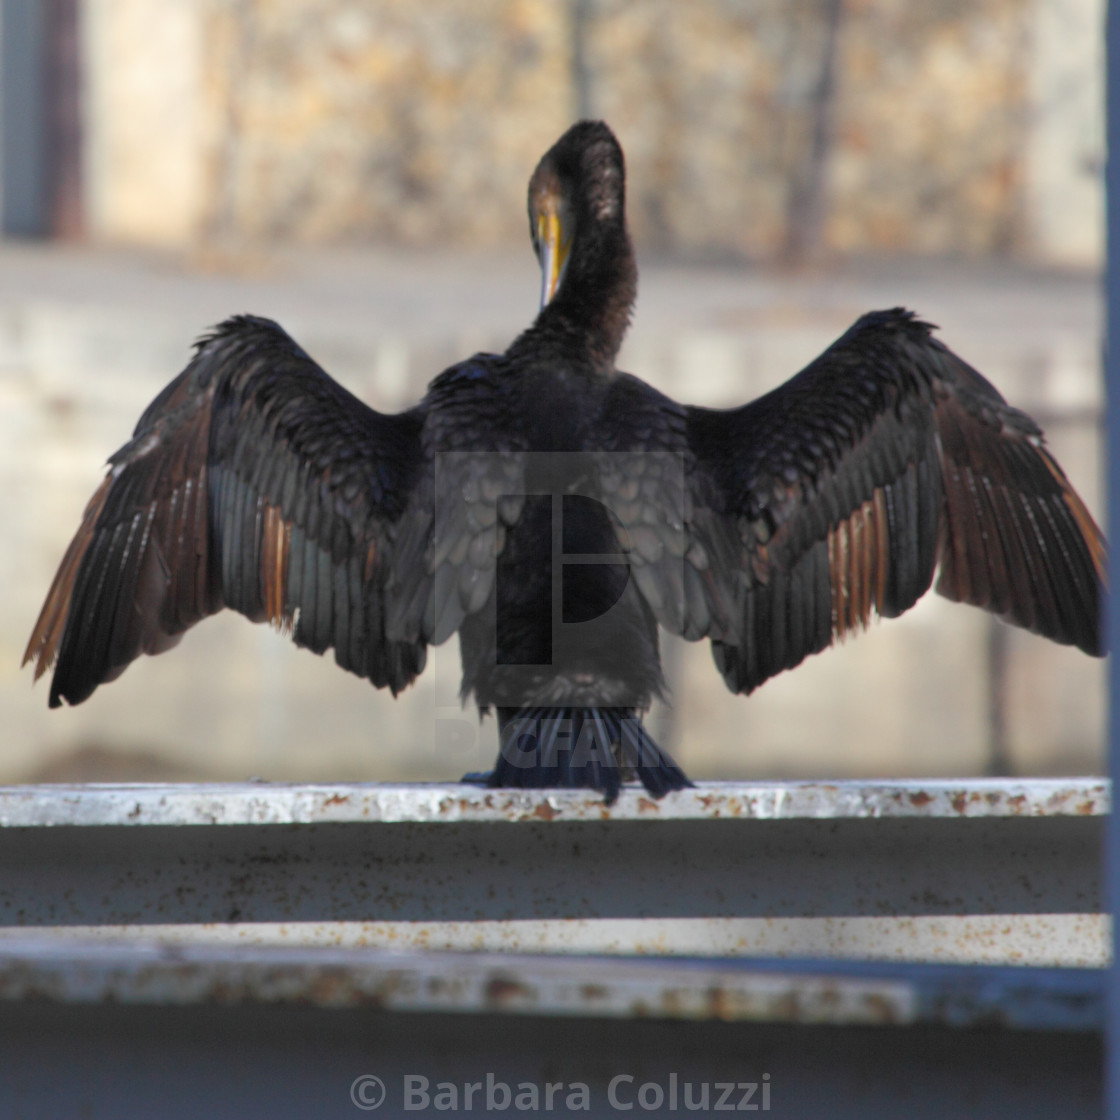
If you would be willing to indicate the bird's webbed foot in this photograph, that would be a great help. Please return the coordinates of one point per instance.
(478, 777)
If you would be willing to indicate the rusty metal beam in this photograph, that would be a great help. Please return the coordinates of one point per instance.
(460, 855)
(849, 993)
(135, 966)
(107, 1031)
(264, 803)
(978, 871)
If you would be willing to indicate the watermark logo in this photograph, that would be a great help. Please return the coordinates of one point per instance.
(534, 556)
(367, 1092)
(624, 1093)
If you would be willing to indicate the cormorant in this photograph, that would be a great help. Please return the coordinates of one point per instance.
(555, 511)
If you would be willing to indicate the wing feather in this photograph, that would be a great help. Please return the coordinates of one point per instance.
(839, 495)
(252, 481)
(1019, 541)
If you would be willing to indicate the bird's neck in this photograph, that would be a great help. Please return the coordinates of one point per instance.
(591, 311)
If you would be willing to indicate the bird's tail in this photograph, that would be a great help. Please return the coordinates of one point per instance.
(583, 748)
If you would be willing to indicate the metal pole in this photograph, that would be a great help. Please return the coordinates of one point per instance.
(24, 207)
(1112, 386)
(63, 118)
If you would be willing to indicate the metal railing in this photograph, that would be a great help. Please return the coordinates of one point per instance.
(698, 937)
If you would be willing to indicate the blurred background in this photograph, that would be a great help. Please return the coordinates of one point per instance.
(357, 170)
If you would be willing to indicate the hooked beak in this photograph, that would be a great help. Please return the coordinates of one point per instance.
(553, 250)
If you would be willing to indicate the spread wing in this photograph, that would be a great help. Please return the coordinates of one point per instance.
(778, 527)
(255, 482)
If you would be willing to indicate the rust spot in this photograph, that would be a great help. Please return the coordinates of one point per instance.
(330, 986)
(501, 990)
(960, 802)
(881, 1009)
(1017, 802)
(920, 798)
(646, 806)
(1087, 808)
(671, 1003)
(592, 992)
(337, 799)
(718, 1004)
(545, 812)
(786, 1008)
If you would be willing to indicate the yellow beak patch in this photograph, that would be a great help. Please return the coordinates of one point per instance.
(554, 251)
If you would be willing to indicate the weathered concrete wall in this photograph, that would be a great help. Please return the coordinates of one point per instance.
(144, 120)
(398, 121)
(1063, 196)
(931, 127)
(952, 129)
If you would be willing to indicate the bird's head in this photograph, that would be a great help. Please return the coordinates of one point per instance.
(577, 205)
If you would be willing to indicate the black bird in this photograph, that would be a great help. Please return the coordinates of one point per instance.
(555, 511)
